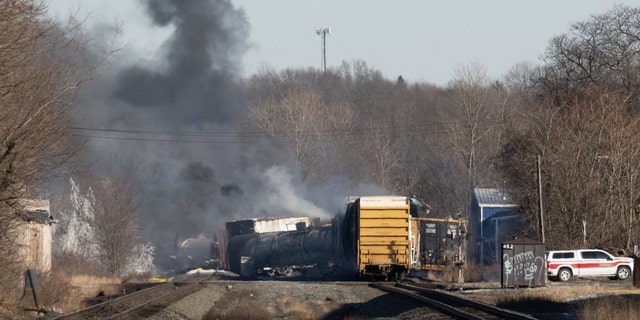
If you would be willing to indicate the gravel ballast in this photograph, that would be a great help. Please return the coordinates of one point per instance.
(291, 300)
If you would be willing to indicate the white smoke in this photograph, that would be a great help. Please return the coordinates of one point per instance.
(282, 196)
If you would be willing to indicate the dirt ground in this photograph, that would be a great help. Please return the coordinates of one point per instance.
(325, 300)
(234, 299)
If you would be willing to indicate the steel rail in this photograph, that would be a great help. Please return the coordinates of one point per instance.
(442, 307)
(452, 306)
(87, 312)
(157, 295)
(178, 293)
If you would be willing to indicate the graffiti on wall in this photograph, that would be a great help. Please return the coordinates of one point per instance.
(524, 268)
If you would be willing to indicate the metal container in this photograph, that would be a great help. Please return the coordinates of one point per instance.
(523, 263)
(380, 230)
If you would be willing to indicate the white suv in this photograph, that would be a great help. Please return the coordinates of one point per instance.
(564, 264)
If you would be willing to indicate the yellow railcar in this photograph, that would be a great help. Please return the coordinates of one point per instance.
(383, 236)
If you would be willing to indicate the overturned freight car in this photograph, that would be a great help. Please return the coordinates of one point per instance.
(375, 236)
(278, 246)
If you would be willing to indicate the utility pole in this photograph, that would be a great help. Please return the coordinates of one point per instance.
(539, 164)
(323, 32)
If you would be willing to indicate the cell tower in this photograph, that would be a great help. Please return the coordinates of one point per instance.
(323, 32)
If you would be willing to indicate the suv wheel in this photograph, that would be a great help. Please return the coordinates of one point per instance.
(623, 273)
(564, 274)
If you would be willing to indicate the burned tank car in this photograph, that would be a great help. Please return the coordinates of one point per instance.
(279, 246)
(286, 253)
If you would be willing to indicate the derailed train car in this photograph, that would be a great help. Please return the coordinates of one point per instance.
(377, 236)
(277, 246)
(285, 253)
(441, 242)
(371, 238)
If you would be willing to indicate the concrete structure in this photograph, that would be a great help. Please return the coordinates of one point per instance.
(523, 263)
(36, 235)
(34, 239)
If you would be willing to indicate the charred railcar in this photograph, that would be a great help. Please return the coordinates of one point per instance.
(278, 246)
(372, 237)
(441, 242)
(286, 253)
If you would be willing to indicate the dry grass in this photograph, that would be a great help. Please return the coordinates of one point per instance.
(451, 274)
(84, 279)
(77, 265)
(588, 301)
(549, 293)
(58, 290)
(618, 307)
(52, 293)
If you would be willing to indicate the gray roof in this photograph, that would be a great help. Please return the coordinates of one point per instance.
(523, 241)
(37, 216)
(493, 197)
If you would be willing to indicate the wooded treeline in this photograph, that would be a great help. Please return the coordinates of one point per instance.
(577, 112)
(420, 140)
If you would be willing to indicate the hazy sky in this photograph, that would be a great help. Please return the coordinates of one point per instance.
(421, 40)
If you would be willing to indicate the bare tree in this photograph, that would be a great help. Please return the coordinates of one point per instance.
(10, 267)
(584, 127)
(307, 122)
(602, 52)
(41, 65)
(387, 145)
(380, 153)
(475, 122)
(589, 171)
(116, 200)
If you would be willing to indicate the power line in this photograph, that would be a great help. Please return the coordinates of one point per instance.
(161, 140)
(252, 136)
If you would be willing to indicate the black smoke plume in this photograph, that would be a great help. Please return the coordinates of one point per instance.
(176, 114)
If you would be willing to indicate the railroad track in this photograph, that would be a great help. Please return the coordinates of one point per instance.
(140, 303)
(451, 305)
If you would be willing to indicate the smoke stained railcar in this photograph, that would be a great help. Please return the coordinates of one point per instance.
(375, 236)
(274, 245)
(442, 242)
(198, 252)
(285, 253)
